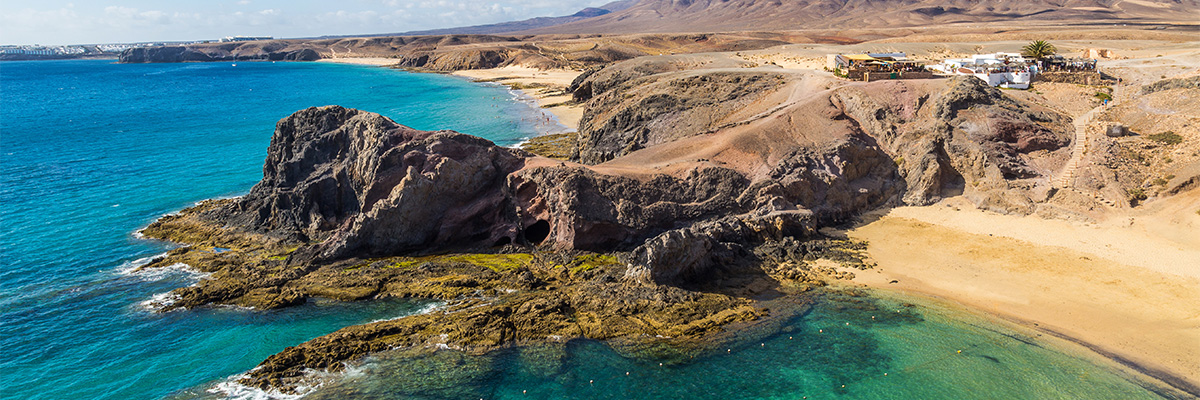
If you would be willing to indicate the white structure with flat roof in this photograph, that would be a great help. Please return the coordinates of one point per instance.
(244, 38)
(1008, 70)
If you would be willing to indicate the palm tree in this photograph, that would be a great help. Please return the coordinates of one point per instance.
(1038, 49)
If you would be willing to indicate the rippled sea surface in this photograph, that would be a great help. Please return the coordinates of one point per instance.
(91, 151)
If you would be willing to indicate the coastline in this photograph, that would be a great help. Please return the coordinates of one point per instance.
(546, 87)
(1073, 281)
(372, 61)
(1162, 383)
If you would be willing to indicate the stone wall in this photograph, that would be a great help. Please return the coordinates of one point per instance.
(1080, 78)
(877, 76)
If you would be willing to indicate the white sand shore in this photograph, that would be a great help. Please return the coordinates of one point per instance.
(546, 86)
(1129, 286)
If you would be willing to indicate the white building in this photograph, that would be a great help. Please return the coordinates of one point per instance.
(244, 38)
(1009, 70)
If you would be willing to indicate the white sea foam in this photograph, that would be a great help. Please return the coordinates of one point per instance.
(134, 269)
(231, 389)
(160, 301)
(423, 310)
(443, 345)
(130, 267)
(553, 126)
(214, 199)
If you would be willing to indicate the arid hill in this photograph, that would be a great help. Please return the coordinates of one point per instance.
(528, 24)
(760, 15)
(460, 52)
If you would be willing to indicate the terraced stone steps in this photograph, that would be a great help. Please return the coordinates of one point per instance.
(1066, 177)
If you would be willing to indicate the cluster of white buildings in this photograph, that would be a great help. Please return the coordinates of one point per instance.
(1007, 70)
(244, 38)
(117, 48)
(43, 50)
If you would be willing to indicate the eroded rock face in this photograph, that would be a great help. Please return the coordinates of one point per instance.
(174, 54)
(364, 185)
(967, 139)
(590, 211)
(341, 183)
(632, 114)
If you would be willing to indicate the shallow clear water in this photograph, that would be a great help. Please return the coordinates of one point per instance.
(91, 151)
(877, 348)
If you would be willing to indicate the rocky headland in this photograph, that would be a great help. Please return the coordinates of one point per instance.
(690, 206)
(698, 195)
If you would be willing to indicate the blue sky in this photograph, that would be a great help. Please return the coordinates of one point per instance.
(85, 22)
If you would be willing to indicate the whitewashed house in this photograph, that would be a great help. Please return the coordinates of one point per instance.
(1008, 70)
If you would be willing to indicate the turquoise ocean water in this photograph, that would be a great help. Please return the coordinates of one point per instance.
(91, 151)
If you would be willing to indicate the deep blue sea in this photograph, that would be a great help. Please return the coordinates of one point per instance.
(91, 151)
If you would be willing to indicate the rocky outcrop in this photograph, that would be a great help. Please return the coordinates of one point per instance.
(341, 183)
(584, 210)
(175, 54)
(167, 54)
(642, 113)
(455, 61)
(362, 185)
(967, 138)
(1176, 83)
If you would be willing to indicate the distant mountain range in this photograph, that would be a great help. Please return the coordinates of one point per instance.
(514, 26)
(691, 16)
(660, 16)
(529, 24)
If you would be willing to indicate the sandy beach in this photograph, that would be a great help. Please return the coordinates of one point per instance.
(1127, 287)
(377, 61)
(548, 87)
